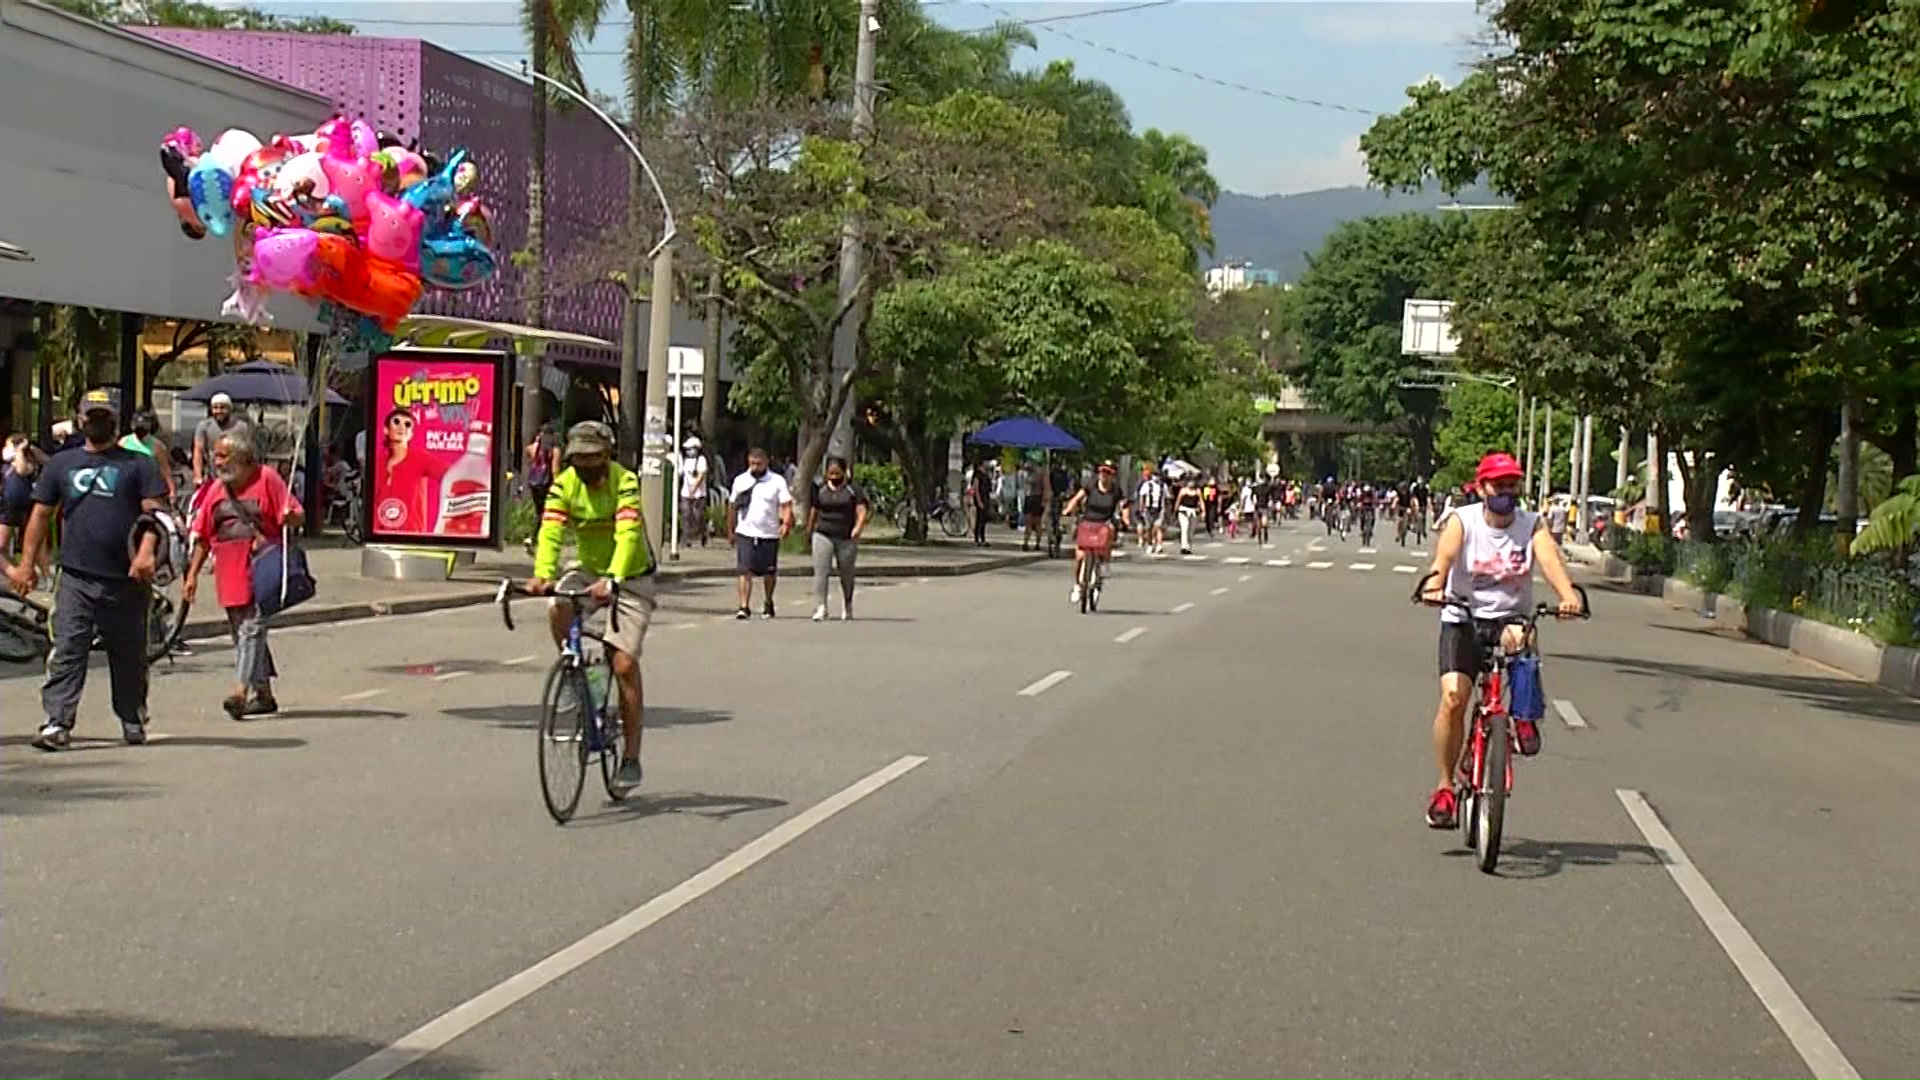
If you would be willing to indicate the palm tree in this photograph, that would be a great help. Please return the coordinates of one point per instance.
(1176, 187)
(555, 29)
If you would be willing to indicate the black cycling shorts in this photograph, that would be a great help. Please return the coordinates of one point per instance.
(1464, 647)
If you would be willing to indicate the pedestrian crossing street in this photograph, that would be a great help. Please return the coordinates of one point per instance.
(1314, 556)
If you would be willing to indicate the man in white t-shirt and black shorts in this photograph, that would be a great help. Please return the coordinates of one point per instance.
(761, 517)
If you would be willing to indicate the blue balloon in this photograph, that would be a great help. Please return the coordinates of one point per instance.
(455, 260)
(433, 195)
(210, 187)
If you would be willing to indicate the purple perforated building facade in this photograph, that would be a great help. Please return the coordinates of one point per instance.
(416, 90)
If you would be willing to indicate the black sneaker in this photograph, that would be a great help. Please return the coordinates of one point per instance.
(262, 705)
(134, 734)
(767, 612)
(53, 737)
(743, 613)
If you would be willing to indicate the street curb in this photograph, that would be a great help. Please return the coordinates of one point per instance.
(318, 614)
(1890, 667)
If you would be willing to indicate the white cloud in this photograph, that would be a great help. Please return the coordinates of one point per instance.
(1373, 24)
(1345, 167)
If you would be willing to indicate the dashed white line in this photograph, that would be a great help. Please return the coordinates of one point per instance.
(1406, 569)
(1046, 683)
(1369, 551)
(1188, 606)
(921, 580)
(1215, 544)
(447, 676)
(1319, 566)
(1363, 566)
(362, 695)
(1418, 554)
(1823, 1057)
(1194, 558)
(1569, 713)
(1130, 635)
(462, 1018)
(1221, 591)
(518, 660)
(1238, 560)
(1279, 562)
(1246, 577)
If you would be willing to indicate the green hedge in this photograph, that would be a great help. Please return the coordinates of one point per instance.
(1808, 578)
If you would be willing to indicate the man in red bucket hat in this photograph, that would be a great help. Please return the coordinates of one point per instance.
(1486, 556)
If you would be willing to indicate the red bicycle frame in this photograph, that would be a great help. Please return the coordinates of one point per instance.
(1489, 708)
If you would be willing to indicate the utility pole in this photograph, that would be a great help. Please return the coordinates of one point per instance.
(1546, 459)
(632, 394)
(853, 239)
(1526, 466)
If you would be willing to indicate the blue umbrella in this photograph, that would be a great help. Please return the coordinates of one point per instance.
(1025, 432)
(261, 382)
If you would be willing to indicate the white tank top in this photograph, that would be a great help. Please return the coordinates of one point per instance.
(1495, 567)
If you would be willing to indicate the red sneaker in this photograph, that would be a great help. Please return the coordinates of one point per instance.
(1441, 809)
(1527, 734)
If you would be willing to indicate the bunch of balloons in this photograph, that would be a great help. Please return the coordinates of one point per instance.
(344, 215)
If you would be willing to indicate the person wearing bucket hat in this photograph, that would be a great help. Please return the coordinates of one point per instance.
(1486, 555)
(99, 491)
(598, 500)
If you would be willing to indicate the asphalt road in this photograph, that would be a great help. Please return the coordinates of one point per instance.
(1199, 853)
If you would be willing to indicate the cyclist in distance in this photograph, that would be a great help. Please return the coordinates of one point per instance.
(1099, 507)
(1486, 556)
(600, 501)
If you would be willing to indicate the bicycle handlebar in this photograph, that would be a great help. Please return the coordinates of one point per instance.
(509, 589)
(1466, 608)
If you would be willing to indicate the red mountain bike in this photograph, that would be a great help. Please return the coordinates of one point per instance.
(1483, 779)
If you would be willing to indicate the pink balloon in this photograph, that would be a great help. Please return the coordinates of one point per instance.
(337, 135)
(353, 180)
(283, 258)
(393, 231)
(366, 142)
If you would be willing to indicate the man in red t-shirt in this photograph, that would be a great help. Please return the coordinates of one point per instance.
(246, 506)
(406, 492)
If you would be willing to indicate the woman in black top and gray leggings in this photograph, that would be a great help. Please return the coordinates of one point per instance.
(838, 517)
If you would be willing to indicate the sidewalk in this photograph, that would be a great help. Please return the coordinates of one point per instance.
(343, 594)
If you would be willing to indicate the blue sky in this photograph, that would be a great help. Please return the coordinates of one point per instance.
(1361, 54)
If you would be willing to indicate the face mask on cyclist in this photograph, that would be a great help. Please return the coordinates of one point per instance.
(1502, 503)
(591, 474)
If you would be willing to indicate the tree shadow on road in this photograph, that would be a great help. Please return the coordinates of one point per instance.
(1844, 696)
(97, 1044)
(28, 791)
(528, 716)
(690, 803)
(1523, 859)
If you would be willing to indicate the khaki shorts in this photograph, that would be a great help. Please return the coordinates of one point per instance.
(636, 600)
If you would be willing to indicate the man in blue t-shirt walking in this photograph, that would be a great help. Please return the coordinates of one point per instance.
(100, 490)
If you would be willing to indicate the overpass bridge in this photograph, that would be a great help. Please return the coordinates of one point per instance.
(1290, 413)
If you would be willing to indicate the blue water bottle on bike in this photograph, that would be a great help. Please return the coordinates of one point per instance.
(1527, 698)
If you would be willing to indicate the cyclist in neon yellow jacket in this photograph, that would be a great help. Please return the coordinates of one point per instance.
(599, 501)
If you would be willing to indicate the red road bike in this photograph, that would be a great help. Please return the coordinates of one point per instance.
(1483, 778)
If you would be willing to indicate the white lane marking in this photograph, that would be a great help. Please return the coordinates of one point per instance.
(1316, 547)
(1215, 544)
(1194, 558)
(1360, 566)
(477, 1010)
(922, 580)
(1246, 577)
(1406, 569)
(1569, 713)
(1047, 683)
(687, 626)
(518, 660)
(1369, 551)
(1279, 562)
(1319, 566)
(1796, 1021)
(1237, 560)
(1418, 554)
(1130, 635)
(362, 695)
(446, 676)
(1188, 606)
(1221, 591)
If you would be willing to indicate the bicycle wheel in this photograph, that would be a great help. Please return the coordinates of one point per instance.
(610, 757)
(563, 740)
(350, 527)
(22, 640)
(166, 619)
(1490, 802)
(953, 523)
(1085, 577)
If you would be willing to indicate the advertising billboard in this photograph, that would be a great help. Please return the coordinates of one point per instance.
(436, 474)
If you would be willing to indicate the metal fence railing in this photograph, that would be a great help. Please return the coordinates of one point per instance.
(1808, 578)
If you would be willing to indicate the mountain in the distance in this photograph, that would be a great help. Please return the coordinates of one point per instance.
(1278, 232)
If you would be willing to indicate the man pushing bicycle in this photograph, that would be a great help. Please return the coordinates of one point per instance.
(1486, 556)
(600, 501)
